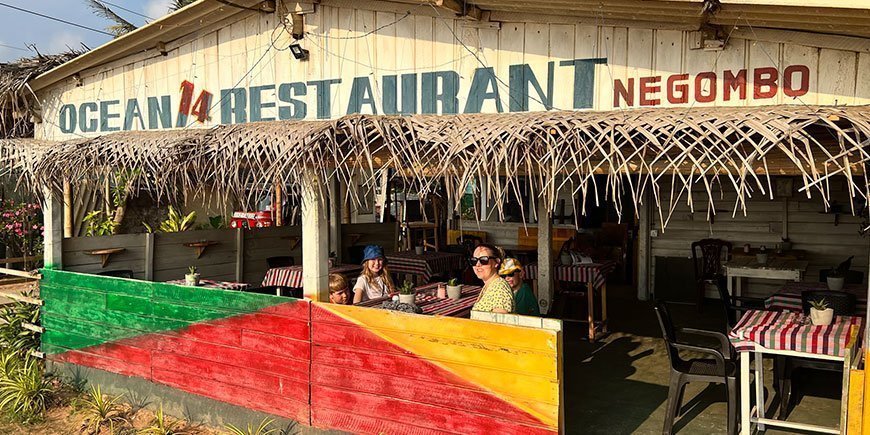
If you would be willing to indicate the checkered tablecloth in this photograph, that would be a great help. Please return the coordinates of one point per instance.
(593, 272)
(426, 264)
(226, 285)
(789, 330)
(427, 300)
(291, 276)
(789, 297)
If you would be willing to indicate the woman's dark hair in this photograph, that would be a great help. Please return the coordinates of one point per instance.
(496, 251)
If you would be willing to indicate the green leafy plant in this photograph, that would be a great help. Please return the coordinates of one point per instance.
(453, 282)
(14, 337)
(842, 269)
(160, 425)
(25, 389)
(175, 222)
(262, 429)
(101, 411)
(99, 223)
(407, 288)
(217, 222)
(820, 305)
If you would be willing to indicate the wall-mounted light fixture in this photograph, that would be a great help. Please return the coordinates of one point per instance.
(77, 79)
(298, 52)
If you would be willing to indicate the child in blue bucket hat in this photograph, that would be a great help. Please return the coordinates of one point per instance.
(375, 281)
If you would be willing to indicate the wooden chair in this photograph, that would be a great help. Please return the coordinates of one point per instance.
(844, 305)
(707, 255)
(852, 276)
(719, 366)
(277, 291)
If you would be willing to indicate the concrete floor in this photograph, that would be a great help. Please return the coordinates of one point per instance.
(619, 384)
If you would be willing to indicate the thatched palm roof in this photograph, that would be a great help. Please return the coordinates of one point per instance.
(736, 149)
(17, 102)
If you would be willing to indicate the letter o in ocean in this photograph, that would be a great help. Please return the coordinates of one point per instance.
(67, 118)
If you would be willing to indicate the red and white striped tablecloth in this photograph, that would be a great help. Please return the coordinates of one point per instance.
(789, 330)
(291, 276)
(789, 297)
(426, 264)
(225, 285)
(596, 273)
(428, 301)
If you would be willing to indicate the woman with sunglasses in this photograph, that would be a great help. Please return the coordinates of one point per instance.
(496, 296)
(524, 299)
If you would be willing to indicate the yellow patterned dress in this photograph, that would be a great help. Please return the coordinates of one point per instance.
(495, 294)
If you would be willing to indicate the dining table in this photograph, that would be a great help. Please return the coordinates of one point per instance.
(210, 283)
(740, 268)
(789, 333)
(291, 276)
(789, 296)
(425, 265)
(426, 298)
(594, 275)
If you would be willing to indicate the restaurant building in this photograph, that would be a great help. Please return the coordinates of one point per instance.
(668, 121)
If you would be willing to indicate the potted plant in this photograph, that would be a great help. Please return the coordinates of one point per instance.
(761, 256)
(407, 293)
(837, 276)
(332, 257)
(820, 314)
(192, 276)
(418, 250)
(454, 289)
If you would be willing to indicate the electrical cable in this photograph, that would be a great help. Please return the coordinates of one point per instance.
(15, 48)
(127, 10)
(56, 19)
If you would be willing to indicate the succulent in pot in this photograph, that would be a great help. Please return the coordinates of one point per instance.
(820, 313)
(407, 293)
(192, 276)
(454, 289)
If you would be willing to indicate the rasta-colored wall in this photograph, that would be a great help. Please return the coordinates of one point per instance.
(337, 367)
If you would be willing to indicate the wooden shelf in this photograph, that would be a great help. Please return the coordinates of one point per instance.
(105, 254)
(294, 241)
(200, 246)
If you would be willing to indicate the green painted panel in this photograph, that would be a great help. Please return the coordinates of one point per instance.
(68, 340)
(85, 298)
(184, 312)
(114, 319)
(109, 284)
(52, 349)
(217, 298)
(129, 304)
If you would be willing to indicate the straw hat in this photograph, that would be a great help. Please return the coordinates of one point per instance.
(509, 265)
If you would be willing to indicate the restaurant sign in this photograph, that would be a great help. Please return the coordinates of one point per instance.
(437, 92)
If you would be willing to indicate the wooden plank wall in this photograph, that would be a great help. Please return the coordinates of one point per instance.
(502, 233)
(376, 39)
(263, 243)
(808, 229)
(245, 349)
(133, 258)
(376, 371)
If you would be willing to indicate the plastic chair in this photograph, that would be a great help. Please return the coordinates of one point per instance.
(123, 273)
(735, 306)
(707, 257)
(280, 261)
(277, 291)
(844, 305)
(719, 367)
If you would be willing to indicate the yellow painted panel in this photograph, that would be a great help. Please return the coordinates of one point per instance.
(856, 402)
(435, 339)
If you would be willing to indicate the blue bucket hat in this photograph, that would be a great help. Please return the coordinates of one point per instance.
(371, 252)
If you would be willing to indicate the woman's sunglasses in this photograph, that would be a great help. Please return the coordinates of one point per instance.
(474, 261)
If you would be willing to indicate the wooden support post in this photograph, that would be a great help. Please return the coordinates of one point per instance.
(240, 254)
(644, 245)
(335, 201)
(67, 209)
(52, 213)
(545, 257)
(278, 205)
(149, 256)
(315, 240)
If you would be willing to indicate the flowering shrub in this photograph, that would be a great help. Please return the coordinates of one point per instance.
(21, 227)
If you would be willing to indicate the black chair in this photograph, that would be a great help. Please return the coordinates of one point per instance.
(707, 255)
(844, 305)
(280, 261)
(852, 276)
(123, 273)
(735, 306)
(719, 367)
(277, 291)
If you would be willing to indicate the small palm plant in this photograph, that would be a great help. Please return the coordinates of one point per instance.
(160, 425)
(101, 411)
(262, 429)
(820, 305)
(25, 389)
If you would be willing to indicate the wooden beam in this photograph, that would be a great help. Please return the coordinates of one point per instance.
(315, 240)
(545, 257)
(461, 10)
(52, 213)
(808, 39)
(590, 20)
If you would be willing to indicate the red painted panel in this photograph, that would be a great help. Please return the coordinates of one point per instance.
(234, 356)
(410, 366)
(296, 310)
(271, 324)
(352, 422)
(233, 375)
(418, 414)
(434, 393)
(108, 364)
(241, 396)
(123, 352)
(211, 333)
(271, 344)
(352, 336)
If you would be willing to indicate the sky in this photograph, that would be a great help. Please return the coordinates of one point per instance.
(18, 29)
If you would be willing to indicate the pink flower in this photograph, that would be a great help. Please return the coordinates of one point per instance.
(35, 227)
